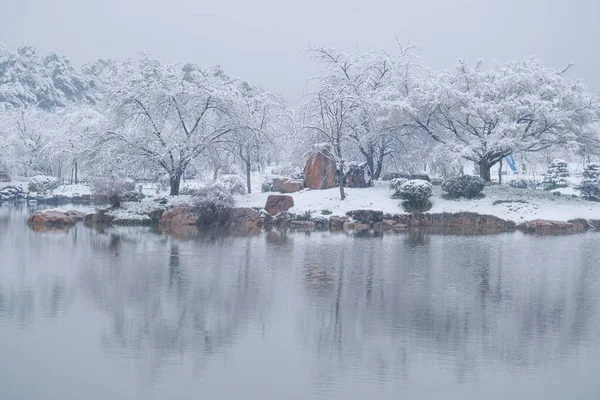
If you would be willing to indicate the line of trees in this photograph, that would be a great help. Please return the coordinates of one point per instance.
(149, 119)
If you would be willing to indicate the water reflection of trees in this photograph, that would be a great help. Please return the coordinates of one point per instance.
(463, 301)
(367, 305)
(170, 298)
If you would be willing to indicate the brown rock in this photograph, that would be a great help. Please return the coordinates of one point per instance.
(76, 215)
(277, 182)
(277, 203)
(50, 219)
(356, 226)
(399, 228)
(383, 226)
(302, 225)
(244, 217)
(291, 186)
(545, 227)
(337, 223)
(178, 217)
(319, 172)
(358, 176)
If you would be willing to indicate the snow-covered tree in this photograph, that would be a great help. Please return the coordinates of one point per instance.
(28, 134)
(379, 82)
(168, 117)
(329, 116)
(484, 115)
(70, 82)
(261, 116)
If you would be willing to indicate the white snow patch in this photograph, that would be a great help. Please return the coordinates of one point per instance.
(539, 204)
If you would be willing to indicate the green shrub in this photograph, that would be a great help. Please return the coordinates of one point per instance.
(267, 187)
(590, 189)
(466, 186)
(416, 194)
(395, 185)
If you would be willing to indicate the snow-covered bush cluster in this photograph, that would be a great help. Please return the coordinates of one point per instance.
(591, 171)
(232, 184)
(590, 189)
(212, 205)
(466, 186)
(267, 186)
(148, 118)
(388, 176)
(395, 185)
(113, 190)
(42, 183)
(590, 185)
(416, 194)
(558, 170)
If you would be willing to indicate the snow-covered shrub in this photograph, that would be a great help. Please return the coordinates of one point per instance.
(591, 171)
(43, 183)
(395, 185)
(129, 184)
(109, 189)
(519, 184)
(267, 186)
(395, 175)
(133, 196)
(233, 184)
(557, 171)
(188, 191)
(590, 189)
(467, 186)
(416, 194)
(212, 205)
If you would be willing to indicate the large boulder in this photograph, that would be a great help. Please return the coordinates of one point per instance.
(358, 176)
(278, 203)
(320, 169)
(291, 186)
(178, 217)
(276, 185)
(245, 218)
(52, 219)
(545, 227)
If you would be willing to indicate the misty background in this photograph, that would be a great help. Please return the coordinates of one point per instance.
(263, 41)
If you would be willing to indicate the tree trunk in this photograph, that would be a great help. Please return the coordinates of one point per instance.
(484, 170)
(500, 172)
(370, 163)
(378, 167)
(175, 182)
(76, 171)
(248, 175)
(341, 178)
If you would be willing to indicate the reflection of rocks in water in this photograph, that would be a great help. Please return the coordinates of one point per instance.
(172, 301)
(184, 232)
(51, 229)
(277, 237)
(417, 237)
(18, 303)
(463, 300)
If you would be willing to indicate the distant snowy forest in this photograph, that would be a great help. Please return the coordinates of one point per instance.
(149, 119)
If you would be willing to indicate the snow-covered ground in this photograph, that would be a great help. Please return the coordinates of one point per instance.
(524, 205)
(539, 204)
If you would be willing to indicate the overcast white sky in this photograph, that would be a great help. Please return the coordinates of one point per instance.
(263, 40)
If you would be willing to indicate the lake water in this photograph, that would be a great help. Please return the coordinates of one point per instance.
(129, 313)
